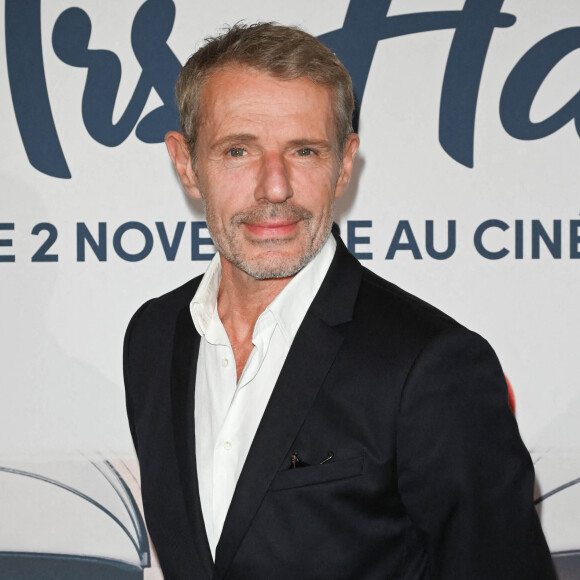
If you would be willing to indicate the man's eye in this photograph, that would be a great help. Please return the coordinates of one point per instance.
(304, 152)
(236, 152)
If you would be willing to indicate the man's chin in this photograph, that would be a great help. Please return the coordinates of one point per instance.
(269, 271)
(270, 265)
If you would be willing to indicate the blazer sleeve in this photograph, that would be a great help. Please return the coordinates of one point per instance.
(465, 476)
(128, 363)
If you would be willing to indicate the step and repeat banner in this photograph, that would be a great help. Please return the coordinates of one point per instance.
(465, 193)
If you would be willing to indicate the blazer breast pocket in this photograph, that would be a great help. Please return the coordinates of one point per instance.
(313, 474)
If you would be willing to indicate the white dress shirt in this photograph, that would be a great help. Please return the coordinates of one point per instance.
(227, 411)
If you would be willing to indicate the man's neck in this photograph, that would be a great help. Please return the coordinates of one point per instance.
(241, 300)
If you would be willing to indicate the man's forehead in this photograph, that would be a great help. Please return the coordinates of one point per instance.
(236, 80)
(247, 92)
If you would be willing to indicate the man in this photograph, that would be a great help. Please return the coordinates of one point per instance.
(296, 416)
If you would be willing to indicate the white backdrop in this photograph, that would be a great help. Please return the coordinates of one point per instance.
(63, 318)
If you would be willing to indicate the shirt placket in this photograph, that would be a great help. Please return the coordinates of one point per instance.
(226, 448)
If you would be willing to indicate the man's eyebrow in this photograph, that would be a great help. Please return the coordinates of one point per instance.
(233, 139)
(322, 144)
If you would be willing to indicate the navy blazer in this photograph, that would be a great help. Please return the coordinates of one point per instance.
(429, 478)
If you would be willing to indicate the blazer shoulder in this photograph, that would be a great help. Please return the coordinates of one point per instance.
(391, 306)
(167, 305)
(154, 322)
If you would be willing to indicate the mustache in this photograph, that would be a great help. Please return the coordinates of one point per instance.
(284, 210)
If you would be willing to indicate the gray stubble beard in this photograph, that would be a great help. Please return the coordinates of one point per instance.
(264, 271)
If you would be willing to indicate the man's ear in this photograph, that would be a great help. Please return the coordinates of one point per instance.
(179, 153)
(348, 156)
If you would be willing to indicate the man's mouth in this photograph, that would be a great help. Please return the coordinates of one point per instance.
(272, 222)
(275, 228)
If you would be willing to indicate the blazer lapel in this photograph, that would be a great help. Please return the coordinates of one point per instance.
(307, 364)
(184, 367)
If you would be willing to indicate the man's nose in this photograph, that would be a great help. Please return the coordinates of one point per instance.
(273, 179)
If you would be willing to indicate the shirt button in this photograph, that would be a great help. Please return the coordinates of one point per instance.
(225, 362)
(227, 445)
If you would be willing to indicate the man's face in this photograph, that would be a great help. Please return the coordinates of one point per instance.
(267, 169)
